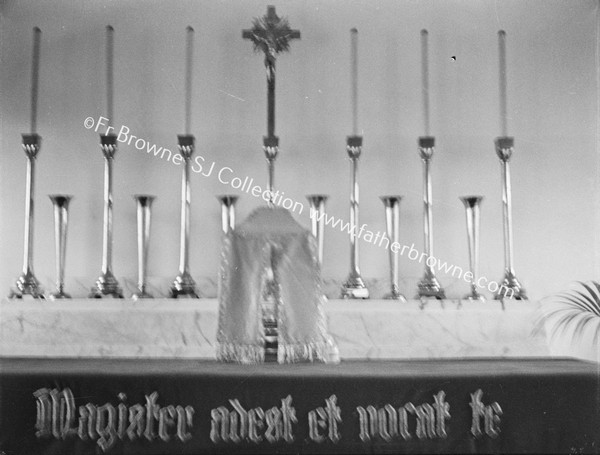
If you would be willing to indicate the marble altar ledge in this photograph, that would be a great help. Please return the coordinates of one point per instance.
(186, 328)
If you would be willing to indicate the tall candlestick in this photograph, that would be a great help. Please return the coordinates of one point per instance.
(109, 75)
(184, 284)
(35, 76)
(429, 286)
(188, 79)
(354, 79)
(27, 283)
(354, 287)
(107, 284)
(425, 78)
(511, 287)
(502, 80)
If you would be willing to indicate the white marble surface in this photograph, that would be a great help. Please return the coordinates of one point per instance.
(371, 329)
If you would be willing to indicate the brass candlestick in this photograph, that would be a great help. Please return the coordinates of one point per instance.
(472, 205)
(392, 224)
(429, 286)
(144, 207)
(27, 283)
(184, 284)
(354, 287)
(61, 220)
(510, 287)
(317, 221)
(107, 284)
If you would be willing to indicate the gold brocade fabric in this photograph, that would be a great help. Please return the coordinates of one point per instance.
(270, 248)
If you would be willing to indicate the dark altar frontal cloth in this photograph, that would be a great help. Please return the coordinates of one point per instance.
(163, 406)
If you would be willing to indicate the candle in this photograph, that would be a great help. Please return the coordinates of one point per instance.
(109, 76)
(425, 78)
(354, 79)
(502, 80)
(188, 78)
(35, 76)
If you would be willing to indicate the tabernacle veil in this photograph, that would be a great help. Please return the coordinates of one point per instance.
(270, 253)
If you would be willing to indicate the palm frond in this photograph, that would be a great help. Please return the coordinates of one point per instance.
(575, 312)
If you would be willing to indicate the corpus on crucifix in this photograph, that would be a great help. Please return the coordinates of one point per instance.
(271, 34)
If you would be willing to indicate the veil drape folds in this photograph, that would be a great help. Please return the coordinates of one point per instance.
(270, 247)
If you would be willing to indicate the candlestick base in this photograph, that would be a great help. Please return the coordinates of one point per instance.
(106, 285)
(395, 294)
(142, 294)
(355, 288)
(184, 285)
(429, 286)
(59, 295)
(474, 296)
(27, 284)
(510, 288)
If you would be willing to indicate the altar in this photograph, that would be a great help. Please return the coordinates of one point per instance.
(205, 281)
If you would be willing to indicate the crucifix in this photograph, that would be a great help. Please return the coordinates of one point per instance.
(271, 34)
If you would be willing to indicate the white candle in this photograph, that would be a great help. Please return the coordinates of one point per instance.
(354, 79)
(425, 79)
(109, 76)
(35, 76)
(502, 81)
(188, 79)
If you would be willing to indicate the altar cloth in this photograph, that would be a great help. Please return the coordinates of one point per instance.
(192, 407)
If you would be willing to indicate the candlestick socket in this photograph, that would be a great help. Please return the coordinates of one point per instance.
(354, 146)
(271, 147)
(270, 141)
(185, 142)
(108, 144)
(108, 139)
(504, 147)
(427, 142)
(317, 198)
(354, 141)
(31, 144)
(426, 147)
